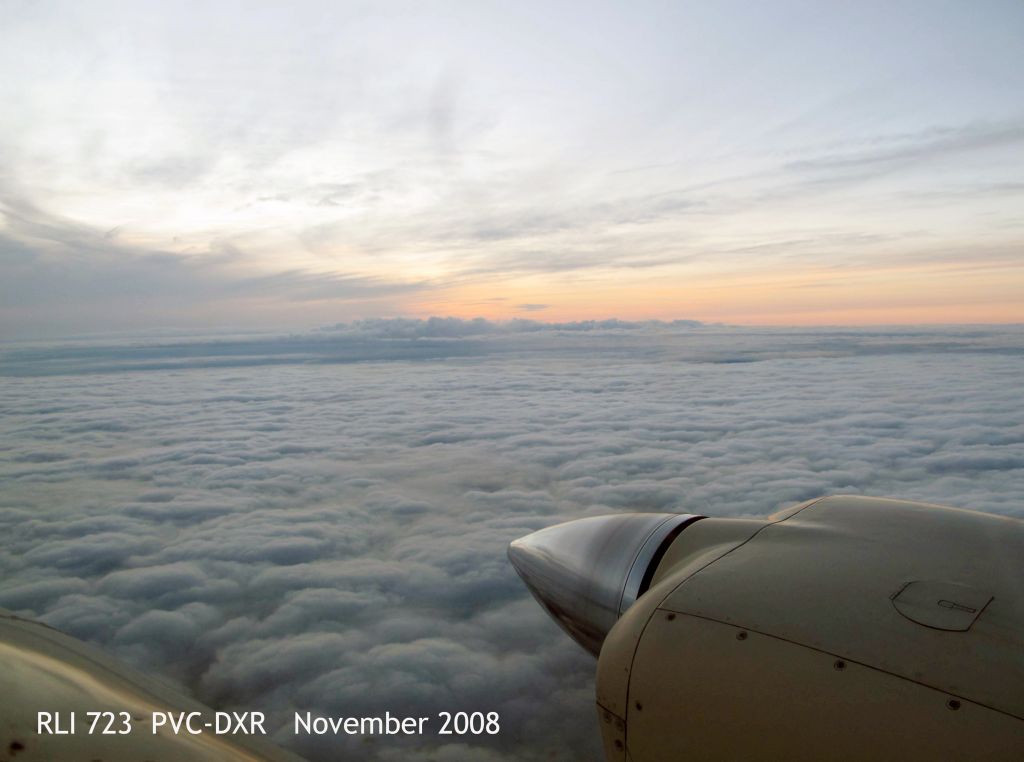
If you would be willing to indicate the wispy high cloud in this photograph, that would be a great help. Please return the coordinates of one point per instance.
(77, 273)
(381, 160)
(931, 144)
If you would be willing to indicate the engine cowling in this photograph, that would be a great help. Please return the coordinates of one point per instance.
(842, 628)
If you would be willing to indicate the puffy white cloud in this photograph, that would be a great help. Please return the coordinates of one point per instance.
(301, 531)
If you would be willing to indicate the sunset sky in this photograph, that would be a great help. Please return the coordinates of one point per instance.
(257, 165)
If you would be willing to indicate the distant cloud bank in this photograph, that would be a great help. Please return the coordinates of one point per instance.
(435, 338)
(451, 327)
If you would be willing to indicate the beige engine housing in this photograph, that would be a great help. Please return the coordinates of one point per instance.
(846, 628)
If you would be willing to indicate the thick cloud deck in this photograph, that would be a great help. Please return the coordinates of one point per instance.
(322, 526)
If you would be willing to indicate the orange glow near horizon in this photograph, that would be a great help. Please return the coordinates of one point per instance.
(933, 294)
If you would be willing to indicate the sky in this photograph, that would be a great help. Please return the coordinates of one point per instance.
(261, 166)
(319, 522)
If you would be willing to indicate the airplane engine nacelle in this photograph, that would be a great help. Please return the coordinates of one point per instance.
(845, 628)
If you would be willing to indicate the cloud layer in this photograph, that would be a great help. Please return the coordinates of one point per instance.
(296, 531)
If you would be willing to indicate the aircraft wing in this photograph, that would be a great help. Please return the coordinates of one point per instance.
(42, 670)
